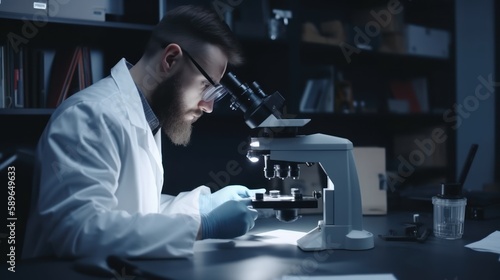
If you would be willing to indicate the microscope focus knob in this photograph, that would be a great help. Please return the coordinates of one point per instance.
(317, 194)
(259, 196)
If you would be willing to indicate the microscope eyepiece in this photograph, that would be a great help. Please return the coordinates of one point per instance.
(255, 104)
(257, 88)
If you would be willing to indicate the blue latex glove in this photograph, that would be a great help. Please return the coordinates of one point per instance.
(232, 192)
(231, 219)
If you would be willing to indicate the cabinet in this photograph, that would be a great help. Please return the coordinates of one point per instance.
(286, 64)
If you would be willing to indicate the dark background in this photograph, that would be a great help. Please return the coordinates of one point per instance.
(282, 65)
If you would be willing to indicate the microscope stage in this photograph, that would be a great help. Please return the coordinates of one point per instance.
(285, 202)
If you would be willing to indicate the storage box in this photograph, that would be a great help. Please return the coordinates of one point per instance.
(370, 164)
(24, 6)
(94, 10)
(425, 41)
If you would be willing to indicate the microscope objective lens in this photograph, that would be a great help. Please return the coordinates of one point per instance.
(274, 193)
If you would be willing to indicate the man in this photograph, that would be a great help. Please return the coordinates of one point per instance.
(99, 171)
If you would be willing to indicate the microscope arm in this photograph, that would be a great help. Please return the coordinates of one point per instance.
(341, 227)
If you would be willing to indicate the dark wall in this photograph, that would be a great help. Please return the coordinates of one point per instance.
(497, 99)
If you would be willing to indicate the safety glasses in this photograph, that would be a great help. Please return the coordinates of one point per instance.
(215, 92)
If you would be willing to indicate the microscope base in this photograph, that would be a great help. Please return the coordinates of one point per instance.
(325, 237)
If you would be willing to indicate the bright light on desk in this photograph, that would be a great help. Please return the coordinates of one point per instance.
(280, 236)
(343, 277)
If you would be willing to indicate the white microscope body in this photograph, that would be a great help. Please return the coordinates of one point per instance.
(342, 225)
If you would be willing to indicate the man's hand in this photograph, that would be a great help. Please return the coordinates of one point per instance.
(231, 219)
(231, 192)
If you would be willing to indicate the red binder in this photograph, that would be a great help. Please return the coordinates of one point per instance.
(67, 69)
(403, 90)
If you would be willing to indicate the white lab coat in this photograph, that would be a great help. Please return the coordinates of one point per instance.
(98, 181)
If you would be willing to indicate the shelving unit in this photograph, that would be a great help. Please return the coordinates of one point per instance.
(282, 66)
(27, 111)
(370, 73)
(51, 20)
(112, 40)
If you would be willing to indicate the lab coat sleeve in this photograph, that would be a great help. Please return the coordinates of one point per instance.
(183, 202)
(76, 210)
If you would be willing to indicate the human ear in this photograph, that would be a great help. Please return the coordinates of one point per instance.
(170, 57)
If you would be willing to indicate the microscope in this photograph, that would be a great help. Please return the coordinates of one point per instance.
(282, 149)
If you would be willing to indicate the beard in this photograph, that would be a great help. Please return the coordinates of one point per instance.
(168, 105)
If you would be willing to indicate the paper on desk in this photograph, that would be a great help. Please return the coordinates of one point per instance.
(343, 277)
(490, 243)
(280, 236)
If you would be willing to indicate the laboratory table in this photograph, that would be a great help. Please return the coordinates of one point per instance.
(253, 257)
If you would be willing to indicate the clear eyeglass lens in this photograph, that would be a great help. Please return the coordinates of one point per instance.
(214, 93)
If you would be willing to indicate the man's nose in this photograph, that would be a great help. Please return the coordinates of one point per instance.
(207, 106)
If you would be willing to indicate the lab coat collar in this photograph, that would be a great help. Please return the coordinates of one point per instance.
(130, 94)
(121, 75)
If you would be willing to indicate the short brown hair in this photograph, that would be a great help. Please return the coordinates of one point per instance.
(191, 25)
